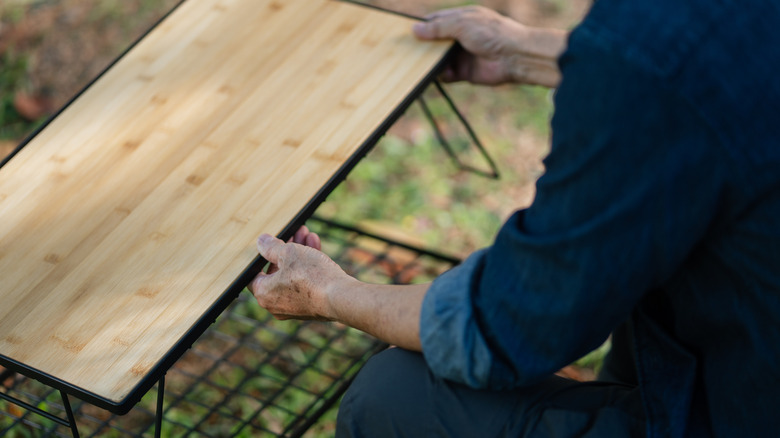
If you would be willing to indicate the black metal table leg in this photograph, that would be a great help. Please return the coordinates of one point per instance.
(493, 172)
(69, 412)
(160, 395)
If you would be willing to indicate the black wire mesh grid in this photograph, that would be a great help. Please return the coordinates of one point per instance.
(249, 375)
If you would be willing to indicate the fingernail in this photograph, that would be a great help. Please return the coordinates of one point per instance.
(418, 28)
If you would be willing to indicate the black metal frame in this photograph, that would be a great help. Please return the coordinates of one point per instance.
(379, 8)
(70, 423)
(493, 172)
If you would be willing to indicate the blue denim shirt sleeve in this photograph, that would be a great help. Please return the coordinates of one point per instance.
(456, 348)
(618, 210)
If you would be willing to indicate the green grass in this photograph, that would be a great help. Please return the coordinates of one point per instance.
(12, 11)
(13, 77)
(595, 359)
(413, 183)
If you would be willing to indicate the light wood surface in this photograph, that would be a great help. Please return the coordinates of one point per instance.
(138, 206)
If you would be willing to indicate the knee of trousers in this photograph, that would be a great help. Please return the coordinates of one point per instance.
(388, 394)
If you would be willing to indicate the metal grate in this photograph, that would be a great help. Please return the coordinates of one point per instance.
(249, 375)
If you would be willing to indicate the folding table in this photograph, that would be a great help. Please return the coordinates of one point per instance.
(129, 218)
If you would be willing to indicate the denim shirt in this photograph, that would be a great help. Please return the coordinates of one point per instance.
(660, 207)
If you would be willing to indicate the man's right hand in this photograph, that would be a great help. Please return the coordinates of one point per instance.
(497, 49)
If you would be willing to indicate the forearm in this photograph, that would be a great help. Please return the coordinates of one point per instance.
(388, 312)
(303, 283)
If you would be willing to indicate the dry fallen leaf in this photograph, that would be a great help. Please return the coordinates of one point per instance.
(31, 108)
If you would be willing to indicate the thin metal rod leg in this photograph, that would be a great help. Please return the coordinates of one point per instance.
(493, 173)
(69, 412)
(437, 131)
(160, 396)
(470, 130)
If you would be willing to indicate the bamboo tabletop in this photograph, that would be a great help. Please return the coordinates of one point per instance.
(137, 207)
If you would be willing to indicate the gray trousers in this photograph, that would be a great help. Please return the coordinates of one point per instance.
(396, 395)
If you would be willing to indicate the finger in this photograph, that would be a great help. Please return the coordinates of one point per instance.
(256, 285)
(443, 27)
(448, 74)
(423, 30)
(459, 69)
(300, 235)
(428, 30)
(313, 240)
(443, 13)
(269, 247)
(263, 285)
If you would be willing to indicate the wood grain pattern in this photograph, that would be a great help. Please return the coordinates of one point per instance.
(124, 219)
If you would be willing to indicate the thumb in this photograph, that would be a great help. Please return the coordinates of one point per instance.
(441, 25)
(433, 30)
(269, 247)
(424, 30)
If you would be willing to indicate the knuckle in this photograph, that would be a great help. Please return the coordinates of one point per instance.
(435, 28)
(287, 250)
(282, 254)
(474, 11)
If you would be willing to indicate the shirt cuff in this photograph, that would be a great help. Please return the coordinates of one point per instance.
(452, 343)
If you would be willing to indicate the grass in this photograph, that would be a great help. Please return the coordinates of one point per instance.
(13, 12)
(408, 180)
(13, 77)
(595, 359)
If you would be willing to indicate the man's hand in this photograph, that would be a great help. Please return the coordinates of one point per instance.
(303, 283)
(299, 279)
(497, 49)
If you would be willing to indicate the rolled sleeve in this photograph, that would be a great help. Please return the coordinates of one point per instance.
(452, 343)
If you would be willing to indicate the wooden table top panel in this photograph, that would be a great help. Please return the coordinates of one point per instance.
(138, 206)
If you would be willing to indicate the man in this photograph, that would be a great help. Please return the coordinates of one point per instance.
(656, 220)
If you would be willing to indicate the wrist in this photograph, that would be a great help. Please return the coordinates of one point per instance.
(336, 296)
(535, 57)
(542, 43)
